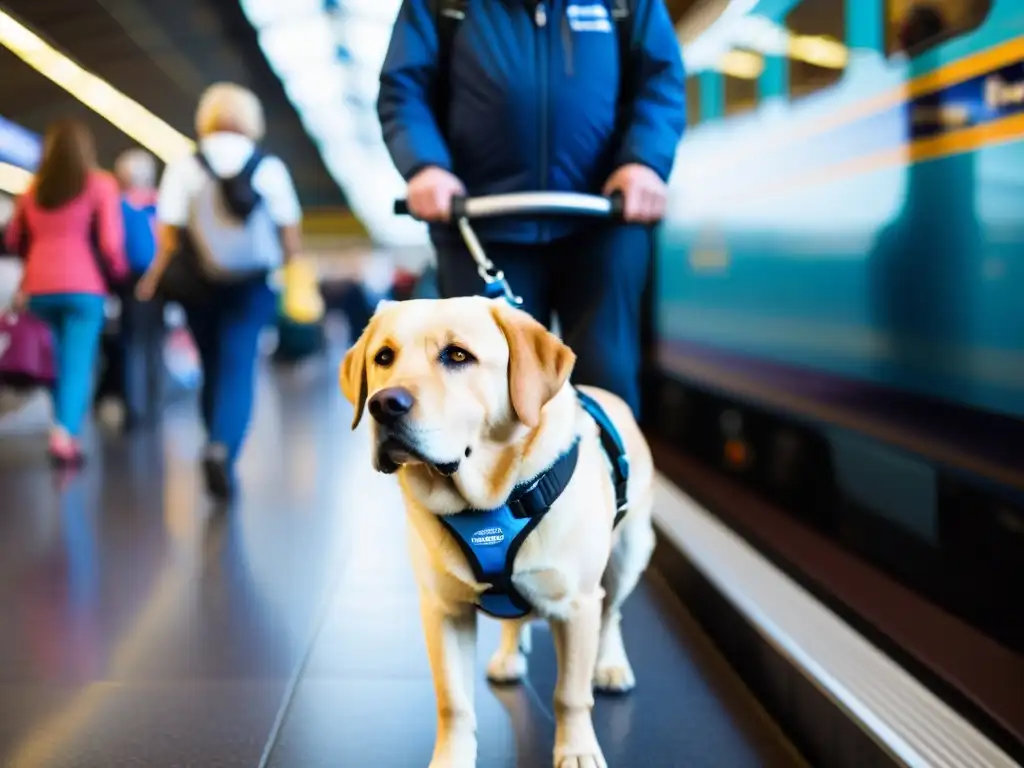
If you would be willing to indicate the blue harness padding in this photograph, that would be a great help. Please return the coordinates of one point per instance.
(615, 450)
(491, 538)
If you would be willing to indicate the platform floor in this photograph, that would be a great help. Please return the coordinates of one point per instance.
(140, 628)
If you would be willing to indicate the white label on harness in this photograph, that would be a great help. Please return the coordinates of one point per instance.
(5, 343)
(487, 537)
(588, 18)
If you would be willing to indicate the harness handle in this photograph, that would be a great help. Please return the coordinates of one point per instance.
(518, 204)
(513, 204)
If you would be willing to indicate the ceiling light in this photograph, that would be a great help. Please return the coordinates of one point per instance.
(130, 116)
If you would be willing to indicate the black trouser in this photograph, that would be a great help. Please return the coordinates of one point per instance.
(133, 360)
(592, 280)
(145, 370)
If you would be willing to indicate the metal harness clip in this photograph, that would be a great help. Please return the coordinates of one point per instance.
(489, 273)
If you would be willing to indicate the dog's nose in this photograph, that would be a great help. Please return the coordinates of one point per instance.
(391, 404)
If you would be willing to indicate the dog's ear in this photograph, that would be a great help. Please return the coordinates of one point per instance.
(353, 374)
(539, 363)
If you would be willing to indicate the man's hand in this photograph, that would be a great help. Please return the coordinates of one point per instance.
(644, 193)
(430, 194)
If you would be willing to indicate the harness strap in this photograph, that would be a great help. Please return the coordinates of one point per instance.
(491, 538)
(239, 195)
(614, 448)
(246, 172)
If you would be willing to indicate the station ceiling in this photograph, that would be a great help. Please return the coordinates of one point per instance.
(163, 54)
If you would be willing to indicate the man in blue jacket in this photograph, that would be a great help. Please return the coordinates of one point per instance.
(539, 96)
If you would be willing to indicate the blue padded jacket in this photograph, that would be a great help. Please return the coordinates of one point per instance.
(533, 99)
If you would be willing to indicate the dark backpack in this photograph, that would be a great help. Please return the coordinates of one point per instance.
(237, 192)
(448, 14)
(229, 228)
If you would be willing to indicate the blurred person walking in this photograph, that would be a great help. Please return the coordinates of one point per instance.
(133, 372)
(542, 95)
(135, 170)
(227, 217)
(68, 228)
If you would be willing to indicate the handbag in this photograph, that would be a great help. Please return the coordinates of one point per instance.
(183, 280)
(27, 357)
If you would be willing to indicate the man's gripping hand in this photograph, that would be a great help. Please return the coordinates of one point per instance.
(430, 194)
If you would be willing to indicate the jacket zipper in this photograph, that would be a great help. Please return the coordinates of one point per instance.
(540, 18)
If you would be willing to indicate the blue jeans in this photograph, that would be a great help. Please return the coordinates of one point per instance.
(76, 320)
(593, 280)
(226, 333)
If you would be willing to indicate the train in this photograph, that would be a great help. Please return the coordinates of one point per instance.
(838, 302)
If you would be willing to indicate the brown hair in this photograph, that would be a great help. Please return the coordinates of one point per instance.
(69, 155)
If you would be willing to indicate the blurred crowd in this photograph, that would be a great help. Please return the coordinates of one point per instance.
(103, 254)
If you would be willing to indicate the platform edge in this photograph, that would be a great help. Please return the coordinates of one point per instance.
(907, 722)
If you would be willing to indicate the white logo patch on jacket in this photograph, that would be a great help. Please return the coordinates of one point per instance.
(588, 18)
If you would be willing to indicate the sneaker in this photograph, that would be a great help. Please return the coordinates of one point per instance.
(219, 483)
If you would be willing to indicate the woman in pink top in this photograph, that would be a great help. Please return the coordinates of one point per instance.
(69, 230)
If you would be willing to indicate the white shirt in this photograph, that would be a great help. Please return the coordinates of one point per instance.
(227, 154)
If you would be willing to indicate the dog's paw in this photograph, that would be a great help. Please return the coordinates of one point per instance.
(506, 668)
(614, 678)
(455, 745)
(589, 759)
(451, 762)
(455, 755)
(576, 744)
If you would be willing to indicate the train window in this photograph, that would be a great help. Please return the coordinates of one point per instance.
(914, 26)
(817, 45)
(693, 112)
(740, 69)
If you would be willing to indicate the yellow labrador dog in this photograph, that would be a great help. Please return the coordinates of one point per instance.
(470, 400)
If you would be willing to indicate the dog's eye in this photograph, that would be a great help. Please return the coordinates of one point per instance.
(385, 356)
(453, 356)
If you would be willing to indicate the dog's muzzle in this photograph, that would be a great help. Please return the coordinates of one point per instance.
(389, 408)
(393, 451)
